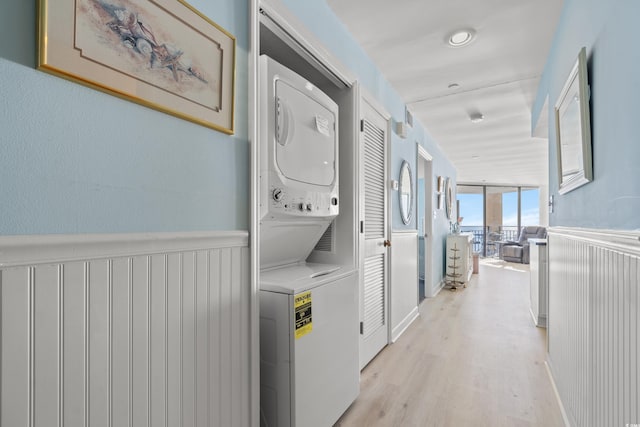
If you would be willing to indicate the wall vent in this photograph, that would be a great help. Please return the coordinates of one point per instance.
(325, 244)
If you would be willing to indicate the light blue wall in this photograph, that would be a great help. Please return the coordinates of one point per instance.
(608, 29)
(318, 17)
(76, 160)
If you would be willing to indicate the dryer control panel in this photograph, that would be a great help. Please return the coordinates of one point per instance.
(290, 201)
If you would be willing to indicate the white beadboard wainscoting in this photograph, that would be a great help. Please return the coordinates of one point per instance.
(125, 330)
(404, 281)
(594, 325)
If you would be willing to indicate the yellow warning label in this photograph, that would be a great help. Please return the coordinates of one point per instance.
(302, 310)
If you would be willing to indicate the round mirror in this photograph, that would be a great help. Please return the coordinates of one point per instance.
(405, 191)
(448, 198)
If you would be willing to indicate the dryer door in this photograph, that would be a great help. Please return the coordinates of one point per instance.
(306, 140)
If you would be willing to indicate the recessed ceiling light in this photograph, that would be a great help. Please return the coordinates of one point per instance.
(461, 38)
(476, 117)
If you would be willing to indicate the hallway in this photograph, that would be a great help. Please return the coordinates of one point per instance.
(472, 358)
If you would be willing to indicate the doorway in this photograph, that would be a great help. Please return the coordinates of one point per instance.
(425, 223)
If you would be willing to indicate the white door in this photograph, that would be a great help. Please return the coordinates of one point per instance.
(374, 234)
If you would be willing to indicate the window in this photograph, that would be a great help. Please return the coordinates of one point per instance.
(530, 207)
(496, 213)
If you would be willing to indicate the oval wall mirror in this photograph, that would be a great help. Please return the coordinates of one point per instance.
(448, 198)
(405, 192)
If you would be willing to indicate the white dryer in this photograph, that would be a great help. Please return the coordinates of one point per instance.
(298, 164)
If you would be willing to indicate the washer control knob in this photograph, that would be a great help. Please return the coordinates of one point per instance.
(309, 207)
(277, 194)
(301, 206)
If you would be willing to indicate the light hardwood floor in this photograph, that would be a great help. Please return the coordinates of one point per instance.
(472, 358)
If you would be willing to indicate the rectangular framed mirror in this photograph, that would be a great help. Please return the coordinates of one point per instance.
(573, 129)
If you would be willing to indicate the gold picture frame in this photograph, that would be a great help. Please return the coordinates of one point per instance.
(163, 54)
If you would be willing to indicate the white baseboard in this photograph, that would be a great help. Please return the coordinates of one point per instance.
(406, 322)
(439, 287)
(540, 321)
(565, 418)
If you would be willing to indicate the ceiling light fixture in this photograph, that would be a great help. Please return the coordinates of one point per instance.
(476, 117)
(461, 38)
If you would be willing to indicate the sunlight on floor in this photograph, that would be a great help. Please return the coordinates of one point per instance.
(498, 263)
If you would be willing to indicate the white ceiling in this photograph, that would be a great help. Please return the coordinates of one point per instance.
(497, 74)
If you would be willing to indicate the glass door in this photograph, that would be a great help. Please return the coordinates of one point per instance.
(495, 214)
(471, 209)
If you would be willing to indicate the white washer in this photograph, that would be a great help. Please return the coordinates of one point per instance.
(309, 371)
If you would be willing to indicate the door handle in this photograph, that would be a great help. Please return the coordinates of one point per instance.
(387, 243)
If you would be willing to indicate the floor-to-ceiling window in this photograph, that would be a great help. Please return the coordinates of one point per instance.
(495, 214)
(471, 205)
(510, 225)
(530, 207)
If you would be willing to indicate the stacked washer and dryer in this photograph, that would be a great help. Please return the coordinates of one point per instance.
(309, 372)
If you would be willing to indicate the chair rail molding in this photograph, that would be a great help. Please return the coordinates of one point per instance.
(626, 241)
(56, 248)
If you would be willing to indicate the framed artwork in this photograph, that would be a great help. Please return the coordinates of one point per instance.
(163, 54)
(573, 129)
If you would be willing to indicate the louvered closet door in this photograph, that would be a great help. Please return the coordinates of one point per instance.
(374, 234)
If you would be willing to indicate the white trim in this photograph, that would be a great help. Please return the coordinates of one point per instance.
(254, 215)
(406, 231)
(422, 152)
(42, 249)
(539, 321)
(565, 418)
(406, 322)
(620, 240)
(366, 96)
(440, 286)
(291, 27)
(424, 156)
(541, 128)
